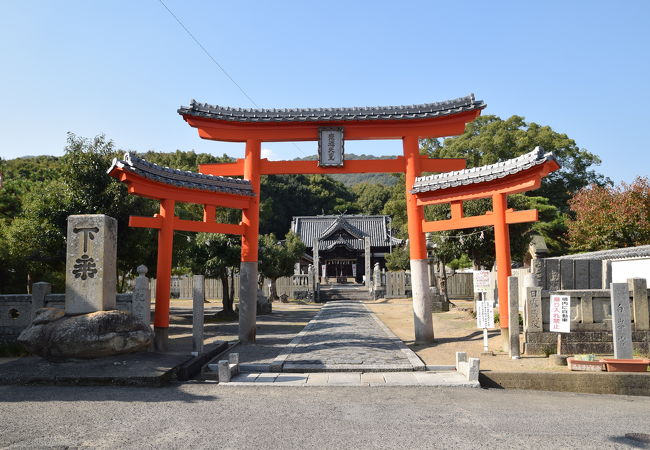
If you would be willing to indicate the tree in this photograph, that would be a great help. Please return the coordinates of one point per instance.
(611, 217)
(371, 197)
(398, 259)
(490, 139)
(277, 259)
(216, 256)
(285, 196)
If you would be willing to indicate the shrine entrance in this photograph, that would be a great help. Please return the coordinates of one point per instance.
(331, 127)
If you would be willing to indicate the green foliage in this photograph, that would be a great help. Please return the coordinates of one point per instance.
(285, 196)
(398, 259)
(35, 237)
(490, 139)
(461, 263)
(277, 259)
(215, 256)
(371, 198)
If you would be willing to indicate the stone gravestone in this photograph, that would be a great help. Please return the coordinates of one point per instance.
(91, 278)
(621, 321)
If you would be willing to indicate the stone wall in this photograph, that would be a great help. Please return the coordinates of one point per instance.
(15, 315)
(16, 311)
(591, 321)
(559, 273)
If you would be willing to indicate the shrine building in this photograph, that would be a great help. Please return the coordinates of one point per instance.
(341, 241)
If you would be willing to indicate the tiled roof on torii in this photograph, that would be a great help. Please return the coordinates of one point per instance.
(373, 113)
(181, 178)
(482, 174)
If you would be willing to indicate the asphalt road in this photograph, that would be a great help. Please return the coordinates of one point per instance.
(213, 416)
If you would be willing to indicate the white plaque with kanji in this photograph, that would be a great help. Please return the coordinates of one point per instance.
(560, 319)
(485, 314)
(481, 280)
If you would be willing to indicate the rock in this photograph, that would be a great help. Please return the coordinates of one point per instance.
(45, 315)
(101, 333)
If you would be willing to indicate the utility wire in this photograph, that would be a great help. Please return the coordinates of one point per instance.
(196, 41)
(208, 54)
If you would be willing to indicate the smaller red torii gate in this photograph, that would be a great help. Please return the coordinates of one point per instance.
(495, 181)
(170, 186)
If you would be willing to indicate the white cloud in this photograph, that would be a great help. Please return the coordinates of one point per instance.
(267, 153)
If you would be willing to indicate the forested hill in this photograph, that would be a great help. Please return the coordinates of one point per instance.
(350, 180)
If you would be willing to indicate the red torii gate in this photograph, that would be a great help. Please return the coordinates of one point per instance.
(408, 123)
(170, 186)
(495, 181)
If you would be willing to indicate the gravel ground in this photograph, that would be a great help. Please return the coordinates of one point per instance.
(213, 416)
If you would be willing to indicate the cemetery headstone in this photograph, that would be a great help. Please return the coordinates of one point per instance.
(91, 278)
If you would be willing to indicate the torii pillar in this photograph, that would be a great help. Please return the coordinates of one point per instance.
(422, 309)
(249, 247)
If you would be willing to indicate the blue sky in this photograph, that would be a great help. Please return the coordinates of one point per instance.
(122, 68)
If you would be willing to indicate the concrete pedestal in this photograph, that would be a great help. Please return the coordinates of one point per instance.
(422, 318)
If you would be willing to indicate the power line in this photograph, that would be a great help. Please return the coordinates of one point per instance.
(196, 41)
(208, 54)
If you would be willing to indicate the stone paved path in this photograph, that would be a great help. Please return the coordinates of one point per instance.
(345, 336)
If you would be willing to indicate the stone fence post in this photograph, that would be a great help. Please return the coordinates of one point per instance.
(141, 303)
(513, 316)
(198, 298)
(39, 291)
(641, 313)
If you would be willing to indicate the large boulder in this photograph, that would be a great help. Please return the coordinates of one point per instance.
(53, 335)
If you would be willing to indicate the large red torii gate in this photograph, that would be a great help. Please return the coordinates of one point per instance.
(408, 123)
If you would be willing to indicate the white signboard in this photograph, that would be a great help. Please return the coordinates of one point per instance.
(481, 281)
(560, 320)
(330, 147)
(485, 314)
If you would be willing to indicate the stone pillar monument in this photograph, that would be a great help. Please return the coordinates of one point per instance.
(366, 247)
(513, 317)
(141, 305)
(621, 321)
(316, 260)
(91, 258)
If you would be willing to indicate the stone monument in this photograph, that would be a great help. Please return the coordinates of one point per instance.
(621, 321)
(366, 247)
(91, 326)
(91, 278)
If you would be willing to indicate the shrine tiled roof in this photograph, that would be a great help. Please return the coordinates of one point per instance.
(182, 178)
(404, 112)
(354, 228)
(481, 174)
